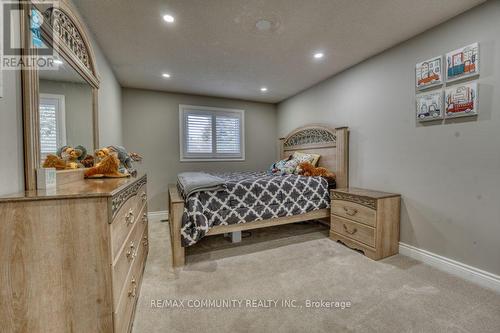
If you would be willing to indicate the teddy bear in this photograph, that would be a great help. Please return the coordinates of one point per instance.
(88, 161)
(54, 161)
(72, 156)
(124, 157)
(107, 167)
(307, 169)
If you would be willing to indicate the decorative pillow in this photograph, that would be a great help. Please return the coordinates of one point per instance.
(285, 166)
(303, 157)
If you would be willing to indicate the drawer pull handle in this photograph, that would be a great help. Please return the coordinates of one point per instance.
(132, 291)
(145, 241)
(131, 254)
(350, 232)
(145, 217)
(144, 196)
(350, 212)
(129, 218)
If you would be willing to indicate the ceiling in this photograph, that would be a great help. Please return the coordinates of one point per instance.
(214, 47)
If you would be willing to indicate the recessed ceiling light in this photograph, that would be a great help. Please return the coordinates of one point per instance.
(58, 62)
(263, 89)
(168, 18)
(318, 55)
(263, 25)
(166, 75)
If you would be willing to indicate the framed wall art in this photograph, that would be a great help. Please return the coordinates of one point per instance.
(429, 73)
(461, 100)
(462, 63)
(430, 106)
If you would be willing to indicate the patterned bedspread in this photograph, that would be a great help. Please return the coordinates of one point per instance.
(251, 196)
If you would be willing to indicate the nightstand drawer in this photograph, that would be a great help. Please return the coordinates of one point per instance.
(356, 231)
(354, 211)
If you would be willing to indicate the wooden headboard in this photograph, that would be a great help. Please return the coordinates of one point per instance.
(331, 144)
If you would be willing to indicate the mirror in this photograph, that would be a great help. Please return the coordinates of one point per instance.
(60, 104)
(65, 109)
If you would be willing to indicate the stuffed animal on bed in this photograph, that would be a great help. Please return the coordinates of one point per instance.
(307, 169)
(284, 167)
(107, 167)
(126, 159)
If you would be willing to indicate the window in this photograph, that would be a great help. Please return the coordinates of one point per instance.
(211, 133)
(52, 123)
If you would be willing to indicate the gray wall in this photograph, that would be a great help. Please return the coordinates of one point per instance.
(448, 174)
(151, 128)
(11, 134)
(110, 101)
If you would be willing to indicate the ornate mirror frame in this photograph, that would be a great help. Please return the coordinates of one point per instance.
(63, 28)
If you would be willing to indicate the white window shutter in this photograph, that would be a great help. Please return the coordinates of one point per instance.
(52, 123)
(198, 133)
(228, 135)
(48, 128)
(208, 133)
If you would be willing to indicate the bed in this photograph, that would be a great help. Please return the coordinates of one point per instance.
(254, 200)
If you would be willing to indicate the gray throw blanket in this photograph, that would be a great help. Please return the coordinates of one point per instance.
(192, 182)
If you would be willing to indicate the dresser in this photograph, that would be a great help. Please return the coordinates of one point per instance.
(72, 259)
(366, 220)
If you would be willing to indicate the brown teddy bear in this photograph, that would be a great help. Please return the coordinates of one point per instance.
(107, 167)
(126, 159)
(88, 161)
(72, 156)
(307, 169)
(53, 161)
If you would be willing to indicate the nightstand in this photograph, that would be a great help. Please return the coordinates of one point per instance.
(366, 220)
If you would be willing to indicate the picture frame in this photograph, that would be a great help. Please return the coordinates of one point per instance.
(461, 100)
(429, 73)
(463, 62)
(429, 106)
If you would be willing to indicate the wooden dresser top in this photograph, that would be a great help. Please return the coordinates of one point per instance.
(366, 193)
(88, 188)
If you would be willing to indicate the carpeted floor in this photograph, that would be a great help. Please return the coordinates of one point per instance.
(299, 263)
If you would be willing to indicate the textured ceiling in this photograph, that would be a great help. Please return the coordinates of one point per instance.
(214, 47)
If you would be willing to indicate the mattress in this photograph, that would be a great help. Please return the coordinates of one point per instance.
(248, 197)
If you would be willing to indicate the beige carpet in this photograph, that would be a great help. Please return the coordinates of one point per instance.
(298, 262)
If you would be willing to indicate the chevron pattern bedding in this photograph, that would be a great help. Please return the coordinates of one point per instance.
(251, 196)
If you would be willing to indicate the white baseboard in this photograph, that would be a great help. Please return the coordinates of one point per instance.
(473, 274)
(159, 215)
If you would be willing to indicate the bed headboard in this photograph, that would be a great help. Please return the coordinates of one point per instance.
(331, 144)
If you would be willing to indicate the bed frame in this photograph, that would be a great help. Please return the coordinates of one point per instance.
(331, 144)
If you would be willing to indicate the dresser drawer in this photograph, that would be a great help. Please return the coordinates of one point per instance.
(124, 310)
(354, 211)
(122, 224)
(356, 231)
(126, 257)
